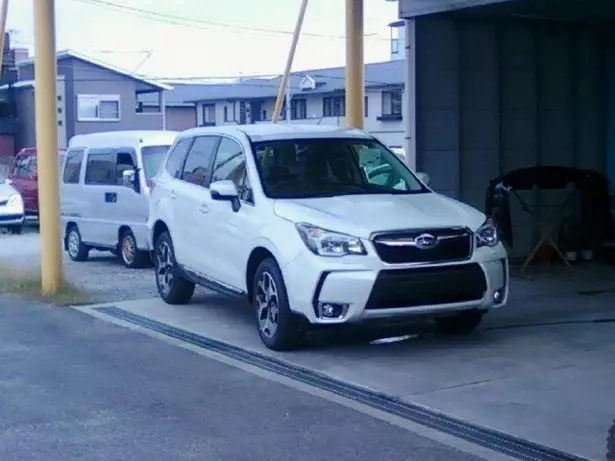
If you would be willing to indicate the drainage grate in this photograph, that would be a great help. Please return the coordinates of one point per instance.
(498, 441)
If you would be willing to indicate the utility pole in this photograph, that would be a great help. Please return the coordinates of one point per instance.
(45, 100)
(288, 104)
(4, 12)
(355, 69)
(289, 63)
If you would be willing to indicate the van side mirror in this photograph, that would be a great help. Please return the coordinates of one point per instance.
(424, 178)
(128, 178)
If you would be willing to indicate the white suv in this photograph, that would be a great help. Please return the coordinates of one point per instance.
(318, 225)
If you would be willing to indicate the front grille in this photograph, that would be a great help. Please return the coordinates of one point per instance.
(427, 286)
(453, 244)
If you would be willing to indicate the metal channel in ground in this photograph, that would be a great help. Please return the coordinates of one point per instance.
(498, 441)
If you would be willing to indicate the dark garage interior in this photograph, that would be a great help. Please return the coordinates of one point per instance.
(511, 85)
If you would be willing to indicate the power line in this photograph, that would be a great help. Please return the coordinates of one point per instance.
(201, 24)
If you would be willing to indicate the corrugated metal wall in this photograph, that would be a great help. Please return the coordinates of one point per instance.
(494, 97)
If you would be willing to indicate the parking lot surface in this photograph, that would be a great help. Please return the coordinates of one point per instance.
(540, 369)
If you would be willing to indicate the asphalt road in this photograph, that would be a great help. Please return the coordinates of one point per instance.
(77, 388)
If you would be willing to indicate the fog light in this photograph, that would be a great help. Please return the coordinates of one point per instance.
(332, 310)
(498, 296)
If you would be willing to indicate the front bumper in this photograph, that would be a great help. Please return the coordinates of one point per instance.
(361, 288)
(8, 219)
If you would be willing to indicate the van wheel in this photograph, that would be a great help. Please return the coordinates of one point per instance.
(279, 328)
(77, 250)
(130, 255)
(172, 286)
(461, 323)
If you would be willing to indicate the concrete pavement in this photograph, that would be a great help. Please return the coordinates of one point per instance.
(542, 369)
(75, 388)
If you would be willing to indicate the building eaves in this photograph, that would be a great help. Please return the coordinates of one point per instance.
(68, 54)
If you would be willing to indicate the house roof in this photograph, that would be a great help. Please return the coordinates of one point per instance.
(377, 75)
(69, 54)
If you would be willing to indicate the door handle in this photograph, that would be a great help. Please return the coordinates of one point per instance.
(110, 197)
(203, 209)
(173, 195)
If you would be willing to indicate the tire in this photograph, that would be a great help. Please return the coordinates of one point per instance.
(279, 329)
(15, 230)
(77, 250)
(128, 252)
(461, 323)
(172, 286)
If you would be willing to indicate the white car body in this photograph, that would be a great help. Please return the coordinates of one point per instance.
(12, 213)
(216, 242)
(99, 208)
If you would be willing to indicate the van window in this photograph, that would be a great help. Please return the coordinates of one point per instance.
(72, 167)
(177, 157)
(100, 168)
(152, 157)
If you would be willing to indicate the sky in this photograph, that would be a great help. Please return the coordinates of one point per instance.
(184, 39)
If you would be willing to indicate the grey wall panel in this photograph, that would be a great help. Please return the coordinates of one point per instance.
(438, 104)
(498, 97)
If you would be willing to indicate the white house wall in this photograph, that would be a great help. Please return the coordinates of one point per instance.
(390, 132)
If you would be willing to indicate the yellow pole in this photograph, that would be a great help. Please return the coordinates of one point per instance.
(4, 12)
(355, 79)
(289, 63)
(45, 100)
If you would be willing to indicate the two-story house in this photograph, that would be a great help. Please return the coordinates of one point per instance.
(316, 97)
(92, 96)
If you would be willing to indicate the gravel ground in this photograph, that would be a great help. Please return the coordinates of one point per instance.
(103, 276)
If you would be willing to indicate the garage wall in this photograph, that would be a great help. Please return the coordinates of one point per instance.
(497, 97)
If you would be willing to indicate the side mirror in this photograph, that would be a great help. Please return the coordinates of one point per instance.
(128, 178)
(424, 178)
(223, 190)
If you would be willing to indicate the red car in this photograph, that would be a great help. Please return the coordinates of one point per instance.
(24, 177)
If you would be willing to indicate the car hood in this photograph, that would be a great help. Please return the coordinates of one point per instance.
(6, 190)
(361, 215)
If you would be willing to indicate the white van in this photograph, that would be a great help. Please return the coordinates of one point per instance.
(99, 211)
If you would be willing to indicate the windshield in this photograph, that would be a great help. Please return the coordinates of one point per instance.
(153, 157)
(331, 167)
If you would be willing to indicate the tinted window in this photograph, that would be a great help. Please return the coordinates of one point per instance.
(230, 163)
(100, 168)
(72, 166)
(197, 169)
(303, 168)
(177, 157)
(152, 157)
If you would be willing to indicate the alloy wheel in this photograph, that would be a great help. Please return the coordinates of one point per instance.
(164, 267)
(129, 249)
(267, 304)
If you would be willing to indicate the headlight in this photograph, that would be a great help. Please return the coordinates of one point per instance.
(15, 201)
(326, 243)
(487, 235)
